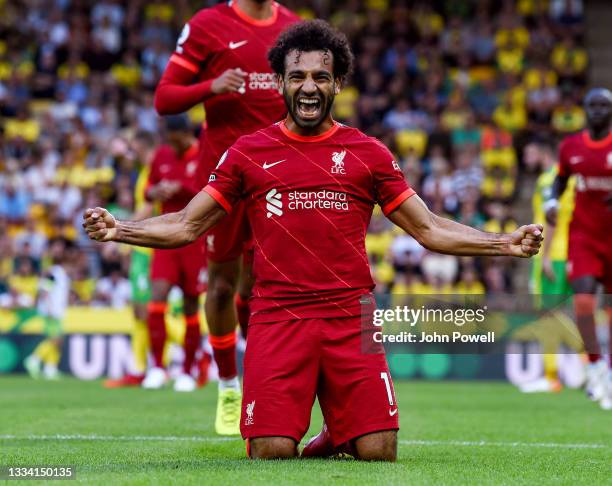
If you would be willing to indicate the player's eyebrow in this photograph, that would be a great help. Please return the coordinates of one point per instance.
(315, 73)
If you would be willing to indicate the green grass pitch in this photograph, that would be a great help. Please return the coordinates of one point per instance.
(451, 433)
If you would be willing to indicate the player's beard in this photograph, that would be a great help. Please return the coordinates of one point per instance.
(325, 106)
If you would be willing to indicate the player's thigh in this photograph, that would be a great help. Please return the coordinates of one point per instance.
(607, 277)
(584, 259)
(164, 272)
(355, 389)
(281, 369)
(223, 277)
(192, 268)
(52, 327)
(227, 239)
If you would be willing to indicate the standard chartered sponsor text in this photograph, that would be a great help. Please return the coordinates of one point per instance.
(318, 200)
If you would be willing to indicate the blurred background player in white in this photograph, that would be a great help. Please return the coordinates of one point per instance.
(52, 303)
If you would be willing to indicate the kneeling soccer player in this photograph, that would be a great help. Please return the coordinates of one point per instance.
(310, 186)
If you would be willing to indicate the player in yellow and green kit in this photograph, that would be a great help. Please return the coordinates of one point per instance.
(143, 146)
(549, 276)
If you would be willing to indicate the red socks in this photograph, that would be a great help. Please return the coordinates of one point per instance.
(157, 331)
(193, 336)
(224, 351)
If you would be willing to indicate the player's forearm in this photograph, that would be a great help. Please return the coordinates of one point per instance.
(558, 187)
(171, 230)
(550, 230)
(166, 231)
(171, 99)
(445, 236)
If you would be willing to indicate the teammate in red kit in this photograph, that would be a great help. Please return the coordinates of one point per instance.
(220, 60)
(174, 179)
(310, 186)
(588, 156)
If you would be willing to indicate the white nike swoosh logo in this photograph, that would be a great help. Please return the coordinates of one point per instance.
(236, 45)
(267, 166)
(392, 412)
(575, 160)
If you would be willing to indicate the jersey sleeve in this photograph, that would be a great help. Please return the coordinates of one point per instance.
(192, 47)
(564, 165)
(390, 186)
(226, 182)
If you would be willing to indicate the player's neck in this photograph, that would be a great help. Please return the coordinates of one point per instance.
(255, 10)
(324, 127)
(597, 133)
(182, 148)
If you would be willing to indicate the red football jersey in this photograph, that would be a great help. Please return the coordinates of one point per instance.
(223, 37)
(591, 162)
(168, 166)
(309, 201)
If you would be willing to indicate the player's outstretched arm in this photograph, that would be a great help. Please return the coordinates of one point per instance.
(445, 236)
(167, 231)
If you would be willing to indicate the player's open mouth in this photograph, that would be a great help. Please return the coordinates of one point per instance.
(308, 107)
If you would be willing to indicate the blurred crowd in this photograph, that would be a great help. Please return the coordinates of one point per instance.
(458, 90)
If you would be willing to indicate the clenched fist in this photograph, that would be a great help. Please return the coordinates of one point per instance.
(230, 81)
(99, 224)
(526, 241)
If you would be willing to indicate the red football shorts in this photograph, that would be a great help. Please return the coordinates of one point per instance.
(231, 237)
(184, 267)
(590, 257)
(287, 364)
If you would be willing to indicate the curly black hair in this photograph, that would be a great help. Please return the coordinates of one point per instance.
(308, 36)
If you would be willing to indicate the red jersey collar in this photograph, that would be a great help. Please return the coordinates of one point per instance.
(302, 138)
(589, 142)
(259, 23)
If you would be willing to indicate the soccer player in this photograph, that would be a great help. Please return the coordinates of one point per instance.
(143, 147)
(588, 156)
(310, 185)
(220, 60)
(548, 273)
(174, 179)
(52, 303)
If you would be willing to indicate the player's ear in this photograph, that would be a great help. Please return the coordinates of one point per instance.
(338, 82)
(280, 81)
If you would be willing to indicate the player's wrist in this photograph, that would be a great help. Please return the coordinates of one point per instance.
(552, 203)
(115, 233)
(506, 243)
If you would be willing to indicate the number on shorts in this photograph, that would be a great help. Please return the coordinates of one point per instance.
(183, 38)
(385, 377)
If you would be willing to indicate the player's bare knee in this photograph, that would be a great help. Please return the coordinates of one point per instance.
(159, 290)
(273, 448)
(190, 305)
(378, 446)
(221, 290)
